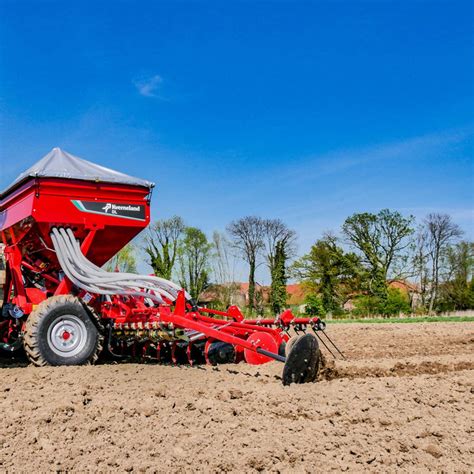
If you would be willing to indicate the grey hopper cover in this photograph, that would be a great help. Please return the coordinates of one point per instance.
(60, 164)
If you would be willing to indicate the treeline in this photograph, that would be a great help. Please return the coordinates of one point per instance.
(357, 265)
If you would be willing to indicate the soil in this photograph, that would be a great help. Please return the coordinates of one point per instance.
(403, 400)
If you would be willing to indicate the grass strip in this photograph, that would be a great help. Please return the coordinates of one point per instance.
(414, 319)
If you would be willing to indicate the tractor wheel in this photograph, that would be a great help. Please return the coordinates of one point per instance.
(62, 331)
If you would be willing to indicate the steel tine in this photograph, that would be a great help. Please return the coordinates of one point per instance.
(324, 344)
(334, 345)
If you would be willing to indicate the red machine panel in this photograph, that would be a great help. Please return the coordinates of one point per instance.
(117, 211)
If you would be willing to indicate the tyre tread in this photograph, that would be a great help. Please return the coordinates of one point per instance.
(31, 331)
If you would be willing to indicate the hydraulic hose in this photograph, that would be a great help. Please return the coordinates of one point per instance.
(94, 287)
(128, 278)
(74, 276)
(88, 276)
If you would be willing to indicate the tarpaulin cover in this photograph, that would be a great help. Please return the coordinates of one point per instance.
(60, 164)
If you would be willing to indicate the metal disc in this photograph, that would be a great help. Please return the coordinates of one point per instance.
(290, 344)
(264, 340)
(302, 363)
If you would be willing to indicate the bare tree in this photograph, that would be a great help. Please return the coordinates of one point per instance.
(161, 244)
(247, 235)
(280, 245)
(223, 269)
(441, 231)
(421, 263)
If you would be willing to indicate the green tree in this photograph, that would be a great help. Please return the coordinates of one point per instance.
(457, 290)
(194, 255)
(366, 305)
(123, 261)
(328, 270)
(383, 240)
(314, 305)
(394, 303)
(161, 245)
(278, 295)
(280, 243)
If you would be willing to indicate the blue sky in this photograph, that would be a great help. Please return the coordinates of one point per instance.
(303, 111)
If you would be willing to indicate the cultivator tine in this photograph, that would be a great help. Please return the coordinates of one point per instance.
(145, 348)
(297, 328)
(158, 351)
(195, 353)
(108, 345)
(188, 354)
(334, 345)
(174, 358)
(164, 352)
(324, 344)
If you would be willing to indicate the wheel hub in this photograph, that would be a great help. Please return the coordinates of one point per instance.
(67, 336)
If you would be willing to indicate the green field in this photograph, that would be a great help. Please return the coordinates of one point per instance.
(415, 319)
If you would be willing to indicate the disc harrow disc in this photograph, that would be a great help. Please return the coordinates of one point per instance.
(264, 340)
(302, 362)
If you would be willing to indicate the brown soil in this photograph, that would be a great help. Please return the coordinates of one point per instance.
(402, 401)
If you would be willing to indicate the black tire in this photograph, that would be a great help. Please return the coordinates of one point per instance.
(48, 325)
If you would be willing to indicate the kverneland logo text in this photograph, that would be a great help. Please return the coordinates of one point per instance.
(113, 208)
(125, 211)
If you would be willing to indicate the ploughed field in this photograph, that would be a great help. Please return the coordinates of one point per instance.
(402, 401)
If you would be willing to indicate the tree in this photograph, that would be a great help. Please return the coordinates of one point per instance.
(194, 254)
(421, 264)
(457, 290)
(247, 235)
(314, 306)
(276, 232)
(123, 261)
(280, 243)
(330, 271)
(382, 240)
(161, 245)
(259, 302)
(394, 303)
(223, 270)
(278, 295)
(441, 232)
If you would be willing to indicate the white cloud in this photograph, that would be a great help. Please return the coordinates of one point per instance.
(150, 86)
